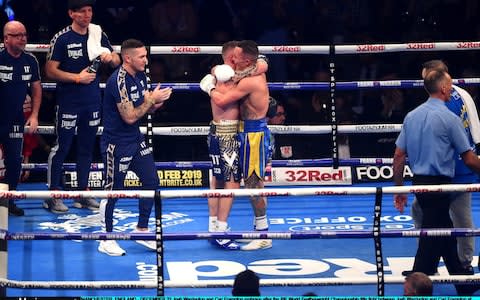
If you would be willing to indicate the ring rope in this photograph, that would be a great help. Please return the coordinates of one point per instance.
(314, 234)
(320, 162)
(305, 49)
(316, 86)
(276, 129)
(439, 279)
(318, 191)
(130, 194)
(274, 192)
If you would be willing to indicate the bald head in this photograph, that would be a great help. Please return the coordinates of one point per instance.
(13, 27)
(14, 38)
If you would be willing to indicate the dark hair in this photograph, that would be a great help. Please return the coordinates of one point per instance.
(435, 64)
(432, 81)
(131, 44)
(229, 45)
(246, 283)
(77, 4)
(249, 47)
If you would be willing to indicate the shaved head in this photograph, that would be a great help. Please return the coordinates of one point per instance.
(13, 27)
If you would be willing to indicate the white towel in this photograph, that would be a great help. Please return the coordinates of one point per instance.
(94, 42)
(472, 113)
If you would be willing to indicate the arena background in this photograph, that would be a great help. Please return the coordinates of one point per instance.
(279, 22)
(269, 23)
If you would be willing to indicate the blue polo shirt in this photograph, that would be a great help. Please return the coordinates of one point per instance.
(121, 86)
(16, 74)
(431, 136)
(70, 49)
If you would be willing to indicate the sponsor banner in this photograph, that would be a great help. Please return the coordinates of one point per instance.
(168, 178)
(182, 271)
(309, 176)
(184, 178)
(378, 173)
(95, 180)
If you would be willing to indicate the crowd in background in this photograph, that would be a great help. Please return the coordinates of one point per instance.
(278, 22)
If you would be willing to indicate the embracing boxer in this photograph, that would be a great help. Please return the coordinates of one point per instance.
(223, 141)
(253, 96)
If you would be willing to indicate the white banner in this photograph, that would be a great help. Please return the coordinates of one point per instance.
(309, 176)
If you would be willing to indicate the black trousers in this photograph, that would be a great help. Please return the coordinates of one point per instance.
(435, 209)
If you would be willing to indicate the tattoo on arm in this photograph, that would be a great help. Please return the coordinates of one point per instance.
(242, 74)
(131, 114)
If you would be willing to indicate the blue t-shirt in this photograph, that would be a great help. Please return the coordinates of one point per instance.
(431, 135)
(456, 104)
(121, 86)
(69, 48)
(16, 74)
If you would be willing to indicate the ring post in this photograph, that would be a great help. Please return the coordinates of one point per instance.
(149, 114)
(333, 110)
(378, 242)
(3, 242)
(159, 239)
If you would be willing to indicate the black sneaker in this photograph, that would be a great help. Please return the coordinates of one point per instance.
(14, 210)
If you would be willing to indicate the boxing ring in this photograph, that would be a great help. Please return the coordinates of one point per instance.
(333, 226)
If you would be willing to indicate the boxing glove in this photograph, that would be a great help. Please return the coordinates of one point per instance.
(207, 84)
(223, 73)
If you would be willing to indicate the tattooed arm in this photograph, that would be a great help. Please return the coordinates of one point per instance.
(151, 101)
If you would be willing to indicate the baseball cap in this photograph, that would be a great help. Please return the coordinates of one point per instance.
(76, 4)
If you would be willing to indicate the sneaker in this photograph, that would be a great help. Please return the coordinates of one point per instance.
(55, 206)
(257, 244)
(111, 248)
(14, 210)
(226, 244)
(89, 203)
(152, 245)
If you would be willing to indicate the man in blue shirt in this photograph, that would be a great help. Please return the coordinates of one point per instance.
(126, 101)
(462, 105)
(73, 51)
(431, 136)
(19, 73)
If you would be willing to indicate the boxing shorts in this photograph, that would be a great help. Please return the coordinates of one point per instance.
(255, 147)
(223, 149)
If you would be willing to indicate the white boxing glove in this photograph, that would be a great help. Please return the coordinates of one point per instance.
(223, 73)
(208, 83)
